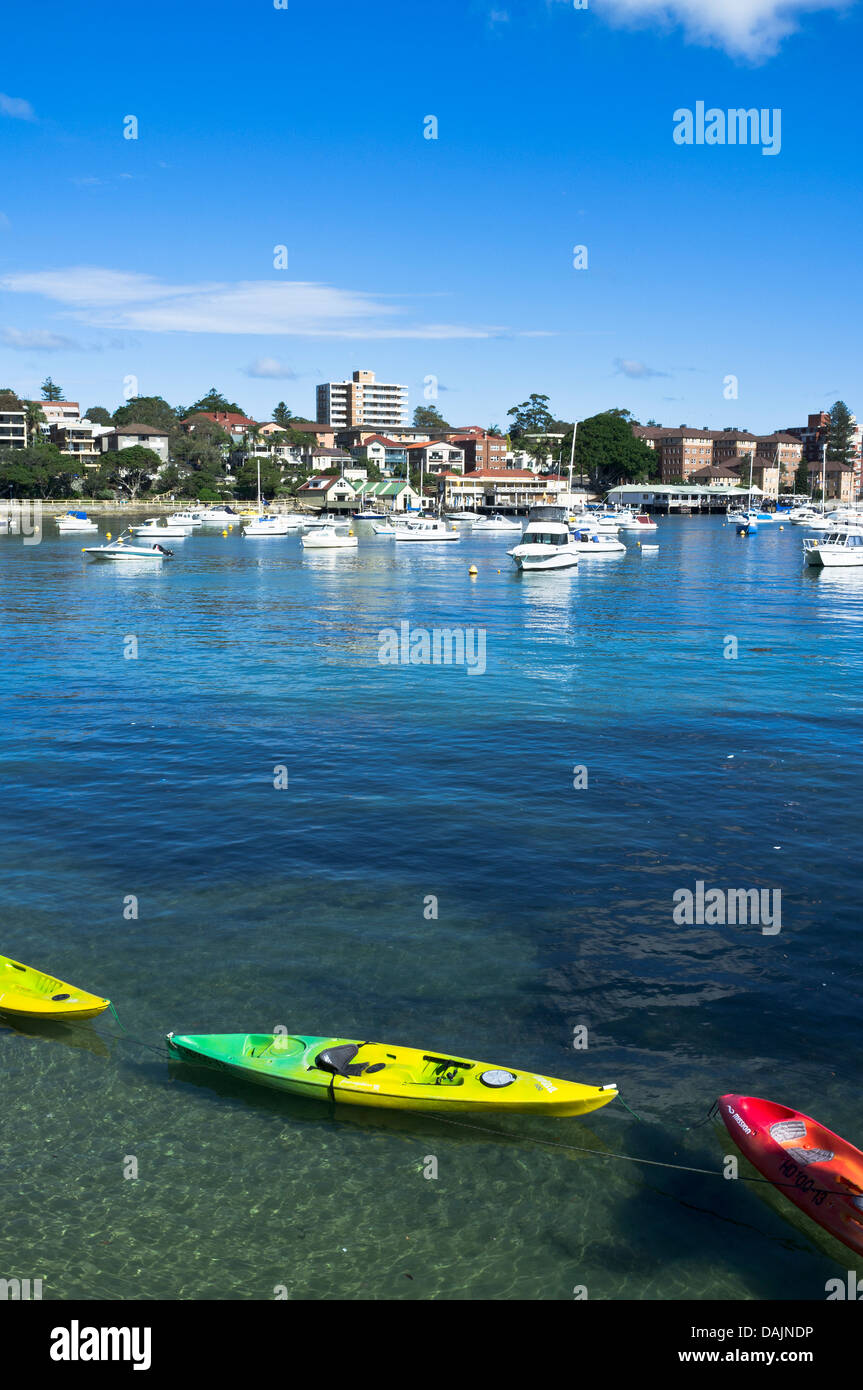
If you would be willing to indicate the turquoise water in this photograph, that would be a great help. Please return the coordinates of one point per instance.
(305, 907)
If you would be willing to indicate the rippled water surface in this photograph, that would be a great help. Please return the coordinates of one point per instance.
(304, 907)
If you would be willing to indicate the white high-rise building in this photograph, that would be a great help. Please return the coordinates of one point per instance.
(362, 401)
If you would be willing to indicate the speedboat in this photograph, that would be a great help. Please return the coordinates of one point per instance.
(496, 525)
(75, 521)
(594, 543)
(383, 528)
(640, 524)
(174, 531)
(186, 518)
(426, 529)
(328, 538)
(220, 516)
(369, 515)
(833, 521)
(267, 526)
(598, 523)
(466, 516)
(546, 543)
(841, 547)
(121, 550)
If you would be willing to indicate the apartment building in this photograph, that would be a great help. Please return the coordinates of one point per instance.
(815, 434)
(387, 454)
(13, 424)
(76, 438)
(435, 456)
(362, 401)
(785, 450)
(479, 448)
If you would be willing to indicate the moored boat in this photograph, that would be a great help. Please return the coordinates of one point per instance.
(75, 521)
(594, 543)
(546, 543)
(427, 528)
(29, 993)
(843, 546)
(496, 525)
(175, 531)
(329, 538)
(384, 1075)
(818, 1171)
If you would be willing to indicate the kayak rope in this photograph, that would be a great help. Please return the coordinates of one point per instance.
(627, 1158)
(116, 1015)
(685, 1128)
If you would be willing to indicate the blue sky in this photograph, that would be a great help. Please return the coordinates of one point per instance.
(449, 258)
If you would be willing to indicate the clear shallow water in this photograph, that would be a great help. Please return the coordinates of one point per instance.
(304, 907)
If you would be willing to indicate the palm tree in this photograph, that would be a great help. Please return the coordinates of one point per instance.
(34, 419)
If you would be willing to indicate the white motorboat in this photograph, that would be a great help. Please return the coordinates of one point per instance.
(546, 543)
(466, 517)
(220, 516)
(187, 518)
(383, 528)
(598, 523)
(315, 523)
(835, 520)
(120, 549)
(840, 547)
(267, 525)
(173, 531)
(75, 521)
(594, 543)
(640, 524)
(427, 528)
(329, 538)
(496, 525)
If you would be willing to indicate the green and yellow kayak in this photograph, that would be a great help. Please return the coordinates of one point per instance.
(29, 993)
(380, 1074)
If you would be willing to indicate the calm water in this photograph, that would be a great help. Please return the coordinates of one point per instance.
(304, 907)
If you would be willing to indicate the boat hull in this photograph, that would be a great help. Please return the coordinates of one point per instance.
(397, 1078)
(29, 993)
(817, 1170)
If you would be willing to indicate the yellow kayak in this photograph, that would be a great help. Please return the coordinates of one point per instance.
(29, 993)
(381, 1074)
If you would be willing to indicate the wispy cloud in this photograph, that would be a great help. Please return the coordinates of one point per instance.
(637, 371)
(16, 107)
(751, 29)
(125, 299)
(39, 340)
(270, 367)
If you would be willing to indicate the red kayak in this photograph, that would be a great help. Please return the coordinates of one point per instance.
(821, 1173)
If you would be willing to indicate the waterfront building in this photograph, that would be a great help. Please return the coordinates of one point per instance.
(392, 494)
(676, 497)
(78, 439)
(389, 455)
(839, 480)
(502, 489)
(479, 448)
(124, 436)
(362, 401)
(233, 423)
(13, 424)
(435, 456)
(328, 491)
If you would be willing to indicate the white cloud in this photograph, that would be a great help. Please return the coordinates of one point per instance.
(37, 339)
(751, 29)
(121, 299)
(270, 367)
(637, 371)
(17, 108)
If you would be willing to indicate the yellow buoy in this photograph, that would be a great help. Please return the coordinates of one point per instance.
(473, 570)
(108, 534)
(224, 533)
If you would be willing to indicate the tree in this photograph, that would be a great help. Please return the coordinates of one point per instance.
(801, 477)
(205, 446)
(840, 437)
(428, 417)
(51, 391)
(608, 451)
(247, 478)
(531, 417)
(214, 400)
(100, 416)
(146, 410)
(282, 415)
(132, 470)
(35, 417)
(40, 471)
(494, 429)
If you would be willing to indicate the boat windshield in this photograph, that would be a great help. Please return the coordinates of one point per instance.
(547, 538)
